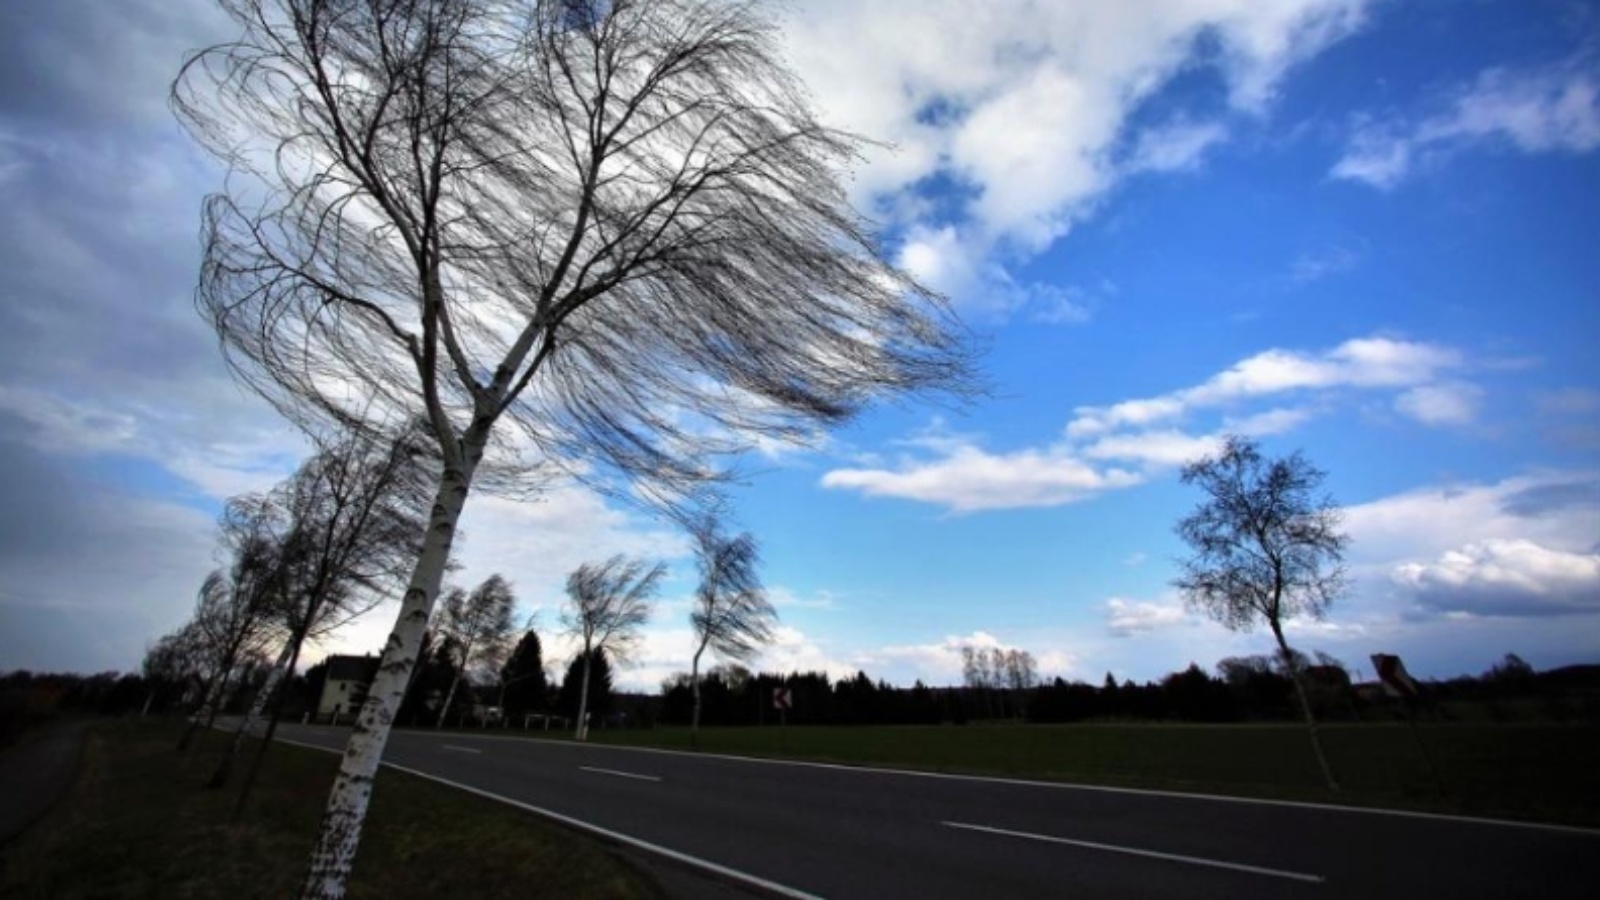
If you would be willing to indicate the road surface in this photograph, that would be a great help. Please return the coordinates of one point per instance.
(838, 832)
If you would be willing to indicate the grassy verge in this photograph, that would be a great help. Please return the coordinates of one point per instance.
(137, 825)
(1539, 773)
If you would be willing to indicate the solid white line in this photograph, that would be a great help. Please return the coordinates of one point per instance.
(462, 749)
(781, 890)
(1068, 786)
(1134, 851)
(1097, 788)
(618, 774)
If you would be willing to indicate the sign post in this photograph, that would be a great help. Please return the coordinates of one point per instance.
(782, 701)
(1399, 684)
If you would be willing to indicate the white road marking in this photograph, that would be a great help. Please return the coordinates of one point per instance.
(1070, 786)
(1135, 851)
(462, 749)
(782, 890)
(619, 774)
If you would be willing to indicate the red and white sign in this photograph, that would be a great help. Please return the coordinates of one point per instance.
(1392, 673)
(782, 699)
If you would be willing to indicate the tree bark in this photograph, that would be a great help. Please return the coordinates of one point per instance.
(449, 697)
(1305, 706)
(224, 769)
(694, 683)
(272, 729)
(582, 730)
(207, 712)
(340, 834)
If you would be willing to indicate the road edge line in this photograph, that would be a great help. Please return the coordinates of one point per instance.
(1140, 851)
(617, 836)
(1066, 785)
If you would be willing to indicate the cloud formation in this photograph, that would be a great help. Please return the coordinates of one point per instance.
(1523, 547)
(1105, 448)
(1506, 577)
(1127, 618)
(1030, 113)
(1554, 109)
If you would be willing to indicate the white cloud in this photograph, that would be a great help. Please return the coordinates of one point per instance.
(1125, 618)
(1521, 547)
(792, 651)
(1374, 362)
(1027, 107)
(1559, 510)
(1506, 577)
(969, 478)
(1178, 147)
(1109, 447)
(1449, 403)
(1165, 448)
(1549, 110)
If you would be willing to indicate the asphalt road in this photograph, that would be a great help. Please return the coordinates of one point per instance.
(841, 832)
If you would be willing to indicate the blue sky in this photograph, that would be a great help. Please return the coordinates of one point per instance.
(1357, 228)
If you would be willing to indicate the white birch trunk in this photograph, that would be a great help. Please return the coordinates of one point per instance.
(258, 708)
(694, 683)
(1305, 707)
(466, 654)
(449, 698)
(252, 719)
(335, 852)
(582, 731)
(206, 713)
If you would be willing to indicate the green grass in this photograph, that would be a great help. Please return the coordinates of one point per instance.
(1534, 772)
(136, 824)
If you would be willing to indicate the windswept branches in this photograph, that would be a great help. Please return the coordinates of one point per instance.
(628, 234)
(616, 225)
(608, 603)
(1266, 547)
(731, 616)
(478, 625)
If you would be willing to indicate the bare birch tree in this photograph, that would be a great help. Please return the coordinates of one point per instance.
(480, 622)
(607, 604)
(232, 613)
(731, 616)
(608, 238)
(346, 527)
(1265, 548)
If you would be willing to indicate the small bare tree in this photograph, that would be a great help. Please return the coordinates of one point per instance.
(1266, 548)
(615, 227)
(607, 605)
(232, 613)
(345, 529)
(480, 622)
(731, 616)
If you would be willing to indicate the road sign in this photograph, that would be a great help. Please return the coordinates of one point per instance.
(782, 699)
(1392, 673)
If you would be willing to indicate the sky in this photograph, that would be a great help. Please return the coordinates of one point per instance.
(1360, 229)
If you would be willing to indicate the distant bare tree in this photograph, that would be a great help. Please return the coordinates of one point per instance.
(168, 663)
(232, 614)
(345, 529)
(1265, 548)
(480, 623)
(731, 616)
(616, 226)
(607, 604)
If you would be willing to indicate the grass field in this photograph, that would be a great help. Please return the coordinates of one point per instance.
(1536, 772)
(137, 825)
